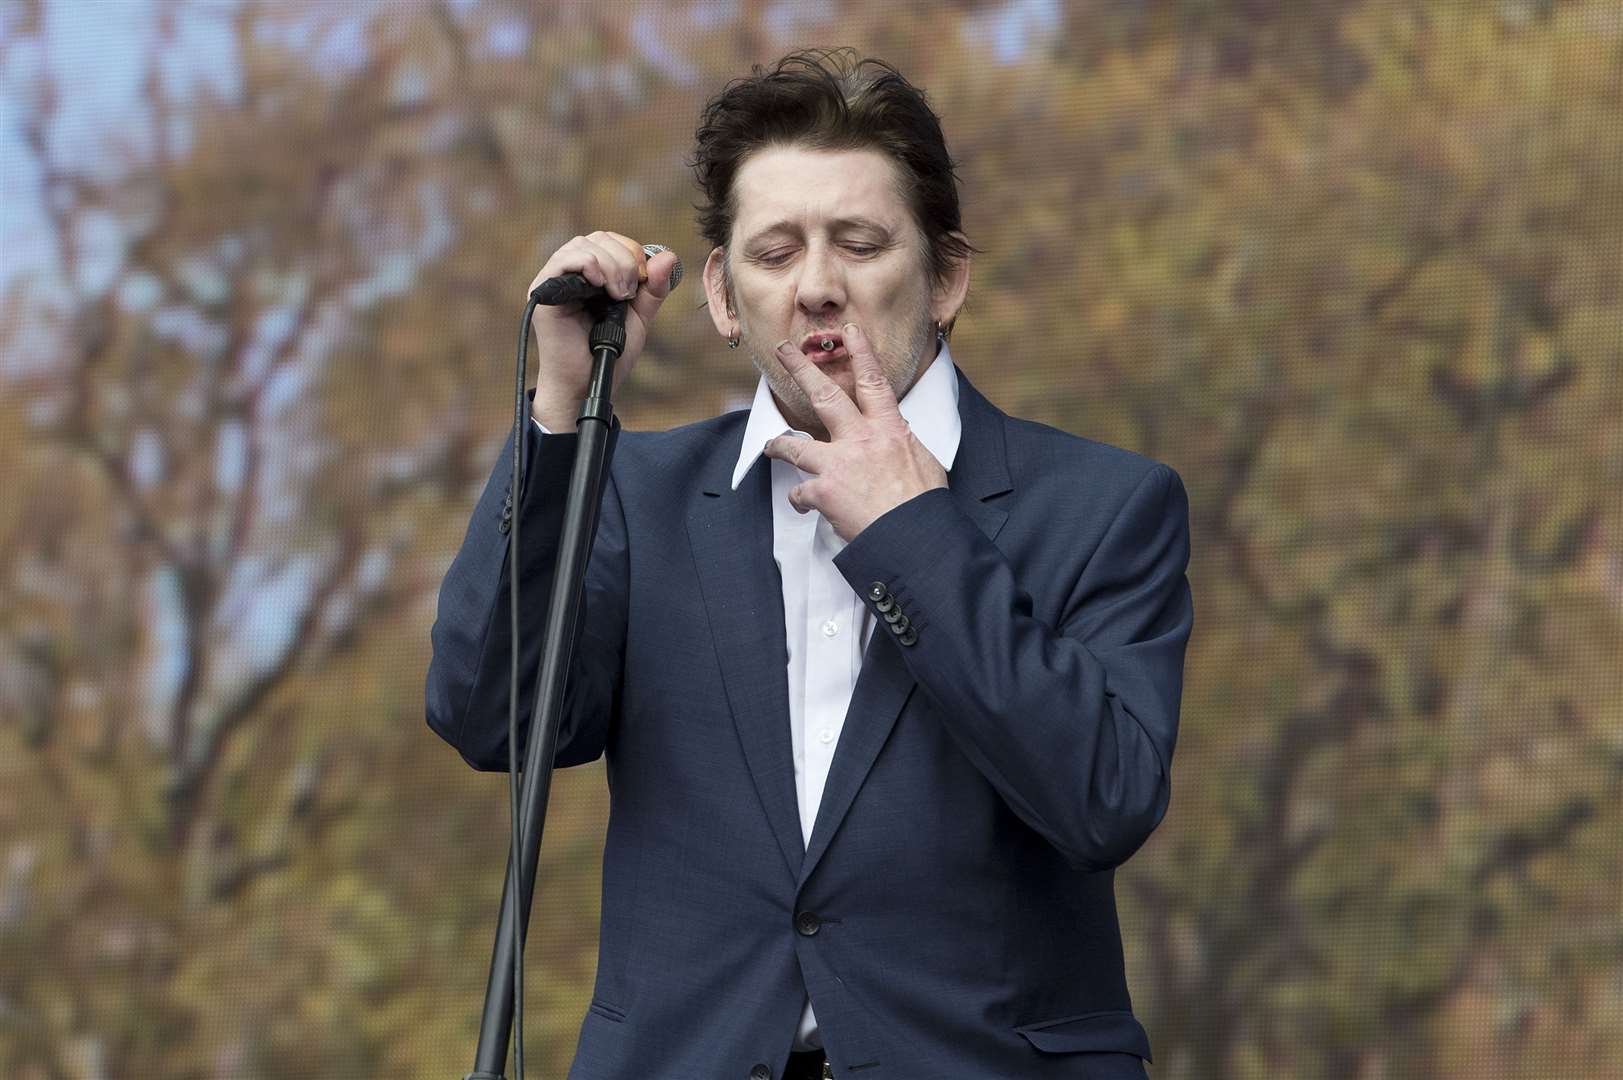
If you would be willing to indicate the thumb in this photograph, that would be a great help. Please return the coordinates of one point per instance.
(658, 286)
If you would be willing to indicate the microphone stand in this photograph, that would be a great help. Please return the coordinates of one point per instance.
(529, 805)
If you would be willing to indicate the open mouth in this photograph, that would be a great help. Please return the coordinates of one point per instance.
(823, 346)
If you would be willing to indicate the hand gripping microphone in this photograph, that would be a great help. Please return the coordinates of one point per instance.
(573, 287)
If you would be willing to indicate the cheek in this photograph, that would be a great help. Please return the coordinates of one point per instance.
(905, 306)
(904, 293)
(762, 303)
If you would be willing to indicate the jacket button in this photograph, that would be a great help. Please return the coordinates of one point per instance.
(877, 591)
(894, 616)
(908, 636)
(901, 626)
(807, 923)
(761, 1072)
(884, 603)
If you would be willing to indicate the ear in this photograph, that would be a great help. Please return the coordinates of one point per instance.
(947, 297)
(715, 289)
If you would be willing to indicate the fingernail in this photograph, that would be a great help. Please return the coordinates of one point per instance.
(786, 347)
(851, 328)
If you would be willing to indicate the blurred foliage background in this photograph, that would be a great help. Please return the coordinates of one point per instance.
(1354, 268)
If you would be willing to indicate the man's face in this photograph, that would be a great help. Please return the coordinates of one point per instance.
(822, 238)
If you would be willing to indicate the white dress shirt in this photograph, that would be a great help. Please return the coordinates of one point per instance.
(825, 623)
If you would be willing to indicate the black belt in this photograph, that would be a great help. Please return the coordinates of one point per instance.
(809, 1065)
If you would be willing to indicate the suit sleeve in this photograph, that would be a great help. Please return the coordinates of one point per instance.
(1073, 724)
(469, 671)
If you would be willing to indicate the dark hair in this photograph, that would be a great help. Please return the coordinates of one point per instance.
(831, 99)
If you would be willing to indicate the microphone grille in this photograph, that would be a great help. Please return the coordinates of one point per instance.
(651, 250)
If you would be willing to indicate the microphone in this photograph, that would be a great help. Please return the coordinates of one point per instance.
(573, 287)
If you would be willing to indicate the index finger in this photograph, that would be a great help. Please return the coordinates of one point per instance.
(875, 397)
(833, 406)
(638, 255)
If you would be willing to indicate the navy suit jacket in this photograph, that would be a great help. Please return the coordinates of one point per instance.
(953, 913)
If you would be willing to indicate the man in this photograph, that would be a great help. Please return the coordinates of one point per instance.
(887, 681)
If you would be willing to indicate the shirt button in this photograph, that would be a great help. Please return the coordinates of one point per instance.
(825, 737)
(830, 628)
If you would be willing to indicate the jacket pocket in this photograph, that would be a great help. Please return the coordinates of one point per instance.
(1117, 1032)
(612, 1013)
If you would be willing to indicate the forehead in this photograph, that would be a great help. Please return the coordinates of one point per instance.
(805, 188)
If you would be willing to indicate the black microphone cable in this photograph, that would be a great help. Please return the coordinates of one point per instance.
(521, 445)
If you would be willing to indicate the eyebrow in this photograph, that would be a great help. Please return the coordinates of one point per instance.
(842, 224)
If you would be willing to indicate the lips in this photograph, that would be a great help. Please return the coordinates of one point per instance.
(812, 345)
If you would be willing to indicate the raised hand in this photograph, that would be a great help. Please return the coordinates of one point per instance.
(872, 462)
(564, 363)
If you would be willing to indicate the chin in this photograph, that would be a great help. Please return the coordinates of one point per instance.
(841, 374)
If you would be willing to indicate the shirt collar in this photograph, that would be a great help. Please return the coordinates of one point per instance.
(930, 409)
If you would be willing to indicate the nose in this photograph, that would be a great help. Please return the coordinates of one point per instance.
(821, 288)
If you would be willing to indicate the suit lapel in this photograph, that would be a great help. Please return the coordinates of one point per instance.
(731, 535)
(980, 471)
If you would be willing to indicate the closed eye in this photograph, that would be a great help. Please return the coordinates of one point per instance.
(783, 255)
